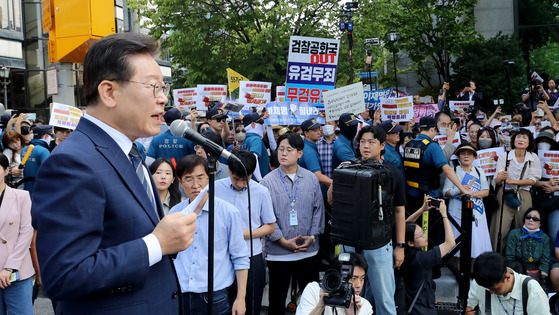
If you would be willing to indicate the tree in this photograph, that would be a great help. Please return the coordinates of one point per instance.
(431, 31)
(250, 36)
(483, 62)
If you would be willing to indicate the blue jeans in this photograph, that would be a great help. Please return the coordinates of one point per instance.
(197, 303)
(17, 298)
(380, 271)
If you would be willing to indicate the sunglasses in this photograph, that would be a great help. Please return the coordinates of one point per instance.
(533, 218)
(241, 130)
(219, 119)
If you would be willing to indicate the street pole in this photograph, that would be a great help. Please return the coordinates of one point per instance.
(395, 71)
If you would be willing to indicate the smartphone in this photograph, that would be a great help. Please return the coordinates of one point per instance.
(31, 116)
(434, 203)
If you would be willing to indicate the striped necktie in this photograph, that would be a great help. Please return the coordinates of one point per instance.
(138, 166)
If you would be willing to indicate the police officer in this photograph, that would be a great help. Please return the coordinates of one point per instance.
(424, 161)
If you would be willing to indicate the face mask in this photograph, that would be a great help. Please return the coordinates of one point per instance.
(241, 136)
(480, 117)
(542, 146)
(442, 131)
(258, 129)
(485, 144)
(328, 130)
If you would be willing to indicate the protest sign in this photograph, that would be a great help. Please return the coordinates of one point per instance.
(372, 98)
(397, 109)
(422, 110)
(64, 116)
(475, 185)
(486, 160)
(442, 139)
(185, 98)
(532, 129)
(253, 94)
(550, 163)
(347, 99)
(311, 68)
(457, 107)
(209, 93)
(290, 113)
(280, 93)
(233, 79)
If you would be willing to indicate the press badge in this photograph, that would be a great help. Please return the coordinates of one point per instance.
(292, 217)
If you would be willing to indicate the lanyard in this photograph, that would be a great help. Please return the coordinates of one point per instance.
(286, 190)
(513, 306)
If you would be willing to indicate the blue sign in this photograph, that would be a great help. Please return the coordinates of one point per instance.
(372, 98)
(290, 113)
(365, 75)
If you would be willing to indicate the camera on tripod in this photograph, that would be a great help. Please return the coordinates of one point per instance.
(336, 283)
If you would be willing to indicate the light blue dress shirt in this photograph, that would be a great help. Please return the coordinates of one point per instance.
(230, 249)
(262, 211)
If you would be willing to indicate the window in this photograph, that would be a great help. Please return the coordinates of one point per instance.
(10, 15)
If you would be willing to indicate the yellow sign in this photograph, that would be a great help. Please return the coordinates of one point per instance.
(47, 16)
(233, 78)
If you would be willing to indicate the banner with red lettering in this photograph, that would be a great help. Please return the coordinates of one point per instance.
(550, 163)
(311, 68)
(486, 160)
(397, 109)
(458, 107)
(185, 98)
(442, 139)
(210, 93)
(254, 94)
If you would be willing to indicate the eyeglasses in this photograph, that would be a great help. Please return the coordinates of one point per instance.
(157, 87)
(198, 147)
(241, 130)
(286, 150)
(533, 218)
(189, 182)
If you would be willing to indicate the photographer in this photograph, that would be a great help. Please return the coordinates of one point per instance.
(536, 94)
(312, 300)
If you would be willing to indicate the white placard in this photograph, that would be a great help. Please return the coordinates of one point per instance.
(457, 107)
(397, 109)
(347, 99)
(208, 93)
(486, 160)
(254, 94)
(550, 163)
(64, 116)
(185, 98)
(442, 139)
(280, 93)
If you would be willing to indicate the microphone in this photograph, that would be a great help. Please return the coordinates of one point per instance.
(179, 128)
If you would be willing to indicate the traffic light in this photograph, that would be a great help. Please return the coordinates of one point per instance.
(76, 25)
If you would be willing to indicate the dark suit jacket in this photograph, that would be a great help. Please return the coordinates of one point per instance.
(90, 212)
(477, 98)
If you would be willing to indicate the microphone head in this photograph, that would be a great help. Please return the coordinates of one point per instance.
(178, 127)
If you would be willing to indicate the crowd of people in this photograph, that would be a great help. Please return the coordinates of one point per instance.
(121, 205)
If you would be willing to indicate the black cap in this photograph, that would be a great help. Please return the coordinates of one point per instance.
(390, 126)
(41, 130)
(252, 117)
(172, 115)
(427, 122)
(310, 124)
(215, 113)
(348, 119)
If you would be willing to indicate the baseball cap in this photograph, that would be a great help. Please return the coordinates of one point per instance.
(390, 126)
(41, 130)
(310, 124)
(172, 115)
(427, 122)
(348, 119)
(252, 117)
(215, 113)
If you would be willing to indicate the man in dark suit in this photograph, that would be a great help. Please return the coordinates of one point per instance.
(101, 245)
(470, 93)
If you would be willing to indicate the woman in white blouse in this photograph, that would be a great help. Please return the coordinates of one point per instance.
(523, 171)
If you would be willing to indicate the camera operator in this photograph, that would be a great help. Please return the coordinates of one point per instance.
(536, 94)
(312, 300)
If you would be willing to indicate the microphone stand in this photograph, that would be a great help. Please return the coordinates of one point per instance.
(212, 159)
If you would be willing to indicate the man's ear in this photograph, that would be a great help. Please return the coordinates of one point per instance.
(106, 90)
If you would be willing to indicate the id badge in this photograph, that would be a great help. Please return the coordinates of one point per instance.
(14, 276)
(293, 217)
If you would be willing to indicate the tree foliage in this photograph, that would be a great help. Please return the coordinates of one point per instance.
(483, 62)
(426, 27)
(250, 36)
(545, 60)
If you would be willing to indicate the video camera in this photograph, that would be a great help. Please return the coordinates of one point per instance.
(336, 283)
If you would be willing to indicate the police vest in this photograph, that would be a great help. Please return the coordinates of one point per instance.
(419, 175)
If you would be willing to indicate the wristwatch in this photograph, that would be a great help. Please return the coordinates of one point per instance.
(313, 238)
(402, 245)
